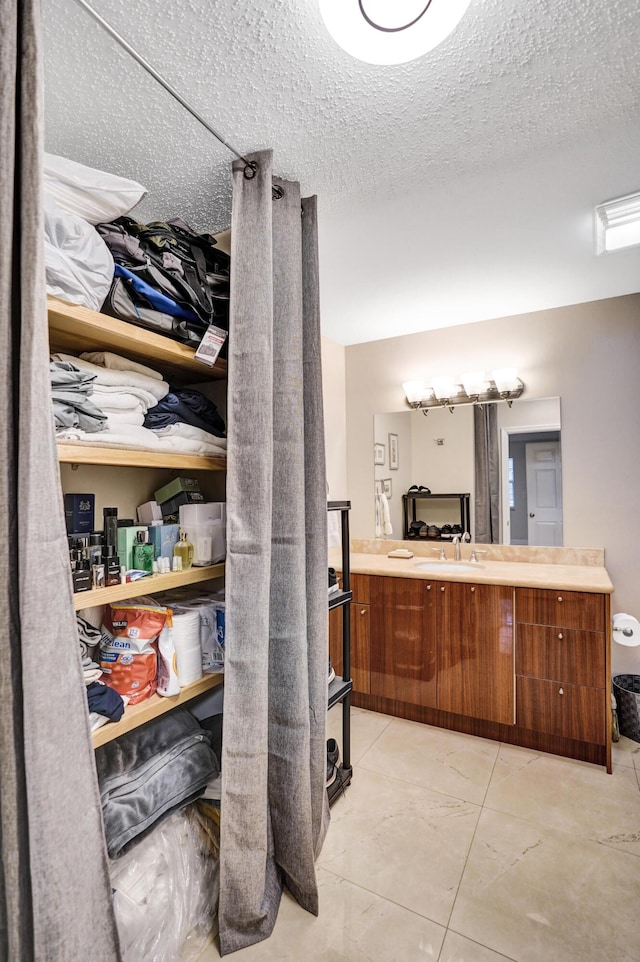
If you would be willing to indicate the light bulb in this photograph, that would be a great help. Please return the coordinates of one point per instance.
(443, 387)
(506, 379)
(381, 32)
(414, 390)
(473, 382)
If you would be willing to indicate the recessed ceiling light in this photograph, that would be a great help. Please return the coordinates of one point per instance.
(381, 32)
(618, 223)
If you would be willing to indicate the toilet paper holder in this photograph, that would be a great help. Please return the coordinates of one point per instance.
(625, 629)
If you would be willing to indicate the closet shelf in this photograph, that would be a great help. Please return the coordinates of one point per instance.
(150, 585)
(152, 707)
(69, 453)
(75, 329)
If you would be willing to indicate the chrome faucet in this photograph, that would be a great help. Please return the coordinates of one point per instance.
(457, 540)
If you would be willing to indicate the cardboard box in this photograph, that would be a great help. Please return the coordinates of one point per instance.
(126, 540)
(163, 537)
(176, 487)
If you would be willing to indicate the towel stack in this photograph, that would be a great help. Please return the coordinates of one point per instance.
(125, 393)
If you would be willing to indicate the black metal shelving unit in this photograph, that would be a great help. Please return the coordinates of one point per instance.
(340, 687)
(412, 497)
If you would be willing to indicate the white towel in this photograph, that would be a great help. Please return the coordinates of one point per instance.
(127, 436)
(118, 419)
(117, 363)
(386, 517)
(120, 379)
(119, 402)
(189, 446)
(182, 430)
(378, 518)
(117, 391)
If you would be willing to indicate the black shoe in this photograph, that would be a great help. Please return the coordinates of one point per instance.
(333, 581)
(333, 756)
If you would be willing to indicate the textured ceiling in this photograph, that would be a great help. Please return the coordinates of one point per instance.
(515, 81)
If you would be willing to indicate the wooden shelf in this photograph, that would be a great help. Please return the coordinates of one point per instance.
(150, 585)
(75, 329)
(152, 707)
(69, 453)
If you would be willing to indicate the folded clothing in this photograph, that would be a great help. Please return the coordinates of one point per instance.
(126, 436)
(70, 391)
(149, 772)
(116, 419)
(182, 430)
(189, 406)
(105, 701)
(117, 363)
(120, 379)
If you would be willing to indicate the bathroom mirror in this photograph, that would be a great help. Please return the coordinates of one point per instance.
(437, 451)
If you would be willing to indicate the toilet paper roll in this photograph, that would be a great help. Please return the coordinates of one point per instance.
(626, 630)
(186, 641)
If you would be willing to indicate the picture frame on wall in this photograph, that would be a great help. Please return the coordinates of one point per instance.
(386, 487)
(394, 458)
(378, 453)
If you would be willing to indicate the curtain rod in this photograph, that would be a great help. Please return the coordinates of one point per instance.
(250, 168)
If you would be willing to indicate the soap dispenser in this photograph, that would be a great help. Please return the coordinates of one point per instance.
(183, 549)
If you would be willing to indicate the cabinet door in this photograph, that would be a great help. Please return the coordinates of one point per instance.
(567, 609)
(360, 657)
(402, 652)
(561, 654)
(475, 651)
(573, 711)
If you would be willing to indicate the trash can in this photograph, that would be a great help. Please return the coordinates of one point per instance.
(627, 691)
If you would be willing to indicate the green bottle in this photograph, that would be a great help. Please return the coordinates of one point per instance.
(143, 552)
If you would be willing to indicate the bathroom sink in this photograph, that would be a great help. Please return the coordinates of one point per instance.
(448, 566)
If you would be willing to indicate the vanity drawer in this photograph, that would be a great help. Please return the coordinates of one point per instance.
(571, 711)
(561, 654)
(360, 589)
(566, 609)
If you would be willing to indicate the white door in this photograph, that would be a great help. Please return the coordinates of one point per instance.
(544, 493)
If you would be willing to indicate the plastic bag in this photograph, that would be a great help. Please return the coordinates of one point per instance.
(86, 192)
(166, 892)
(79, 265)
(128, 653)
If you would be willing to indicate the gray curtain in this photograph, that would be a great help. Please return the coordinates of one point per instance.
(487, 473)
(274, 810)
(55, 898)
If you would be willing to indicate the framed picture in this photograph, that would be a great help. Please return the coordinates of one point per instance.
(394, 461)
(386, 487)
(378, 453)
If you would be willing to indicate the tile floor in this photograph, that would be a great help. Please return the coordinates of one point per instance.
(452, 848)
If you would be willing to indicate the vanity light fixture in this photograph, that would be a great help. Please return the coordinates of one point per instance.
(618, 223)
(503, 385)
(381, 32)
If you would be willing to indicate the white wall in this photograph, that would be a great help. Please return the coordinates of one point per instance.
(589, 356)
(335, 421)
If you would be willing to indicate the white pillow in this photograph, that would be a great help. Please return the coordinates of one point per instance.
(79, 265)
(92, 194)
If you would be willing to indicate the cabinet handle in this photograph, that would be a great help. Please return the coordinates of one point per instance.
(560, 635)
(428, 587)
(442, 589)
(559, 597)
(472, 590)
(363, 611)
(561, 692)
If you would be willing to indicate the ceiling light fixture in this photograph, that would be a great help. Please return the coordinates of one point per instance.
(381, 32)
(475, 388)
(618, 223)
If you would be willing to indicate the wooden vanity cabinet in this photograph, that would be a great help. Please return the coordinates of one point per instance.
(475, 650)
(360, 635)
(403, 641)
(561, 663)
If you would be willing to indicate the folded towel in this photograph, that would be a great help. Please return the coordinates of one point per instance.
(118, 402)
(118, 419)
(127, 436)
(121, 379)
(117, 390)
(117, 363)
(189, 446)
(182, 430)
